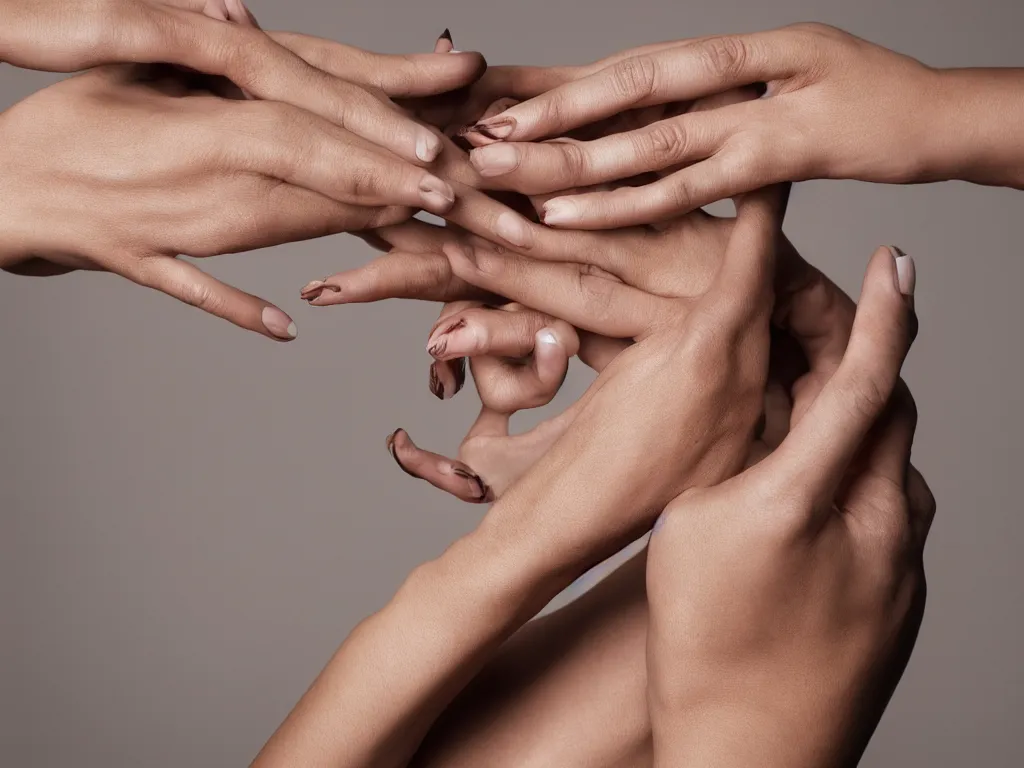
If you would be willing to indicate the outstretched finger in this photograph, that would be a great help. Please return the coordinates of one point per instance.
(191, 285)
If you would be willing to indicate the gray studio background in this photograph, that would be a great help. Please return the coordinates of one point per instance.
(193, 517)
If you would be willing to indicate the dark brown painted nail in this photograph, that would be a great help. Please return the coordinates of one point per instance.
(478, 486)
(390, 442)
(436, 388)
(447, 35)
(460, 375)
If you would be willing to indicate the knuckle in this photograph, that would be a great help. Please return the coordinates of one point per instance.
(864, 395)
(663, 143)
(635, 79)
(724, 57)
(575, 160)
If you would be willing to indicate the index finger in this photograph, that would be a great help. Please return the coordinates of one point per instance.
(690, 70)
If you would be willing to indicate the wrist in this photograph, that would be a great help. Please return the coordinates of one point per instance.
(977, 116)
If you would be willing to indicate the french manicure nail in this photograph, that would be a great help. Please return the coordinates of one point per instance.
(495, 160)
(437, 195)
(279, 324)
(558, 211)
(428, 146)
(513, 229)
(496, 127)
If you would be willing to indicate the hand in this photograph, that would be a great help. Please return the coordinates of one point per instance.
(208, 175)
(836, 107)
(518, 358)
(785, 601)
(50, 35)
(687, 394)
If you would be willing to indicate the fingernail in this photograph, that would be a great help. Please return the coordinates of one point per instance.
(446, 35)
(513, 229)
(559, 211)
(279, 324)
(428, 146)
(495, 160)
(496, 127)
(906, 272)
(440, 341)
(390, 443)
(460, 376)
(437, 196)
(477, 486)
(546, 336)
(436, 389)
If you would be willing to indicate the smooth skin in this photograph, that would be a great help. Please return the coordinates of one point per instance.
(702, 374)
(836, 107)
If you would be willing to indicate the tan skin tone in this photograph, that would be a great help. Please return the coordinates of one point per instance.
(376, 699)
(836, 107)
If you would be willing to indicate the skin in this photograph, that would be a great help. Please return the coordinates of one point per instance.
(699, 374)
(199, 185)
(836, 107)
(560, 669)
(274, 67)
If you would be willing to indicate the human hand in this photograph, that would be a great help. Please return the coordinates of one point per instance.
(836, 106)
(220, 37)
(786, 600)
(208, 175)
(687, 394)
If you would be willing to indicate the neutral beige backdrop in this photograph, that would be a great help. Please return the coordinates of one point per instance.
(194, 517)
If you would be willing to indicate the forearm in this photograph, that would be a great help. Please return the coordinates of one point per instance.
(376, 699)
(978, 127)
(569, 689)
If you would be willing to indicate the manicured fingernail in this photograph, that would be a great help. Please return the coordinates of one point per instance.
(279, 324)
(559, 211)
(496, 127)
(436, 388)
(440, 341)
(437, 196)
(390, 443)
(428, 146)
(495, 160)
(513, 229)
(446, 35)
(478, 488)
(906, 272)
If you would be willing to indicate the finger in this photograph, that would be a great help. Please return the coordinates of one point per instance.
(486, 331)
(728, 173)
(192, 286)
(284, 142)
(410, 75)
(598, 351)
(267, 70)
(505, 387)
(449, 475)
(571, 292)
(921, 503)
(821, 446)
(447, 378)
(415, 236)
(540, 168)
(743, 285)
(888, 453)
(678, 73)
(619, 253)
(396, 275)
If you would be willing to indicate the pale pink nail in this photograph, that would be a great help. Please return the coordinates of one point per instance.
(279, 324)
(513, 229)
(495, 160)
(559, 211)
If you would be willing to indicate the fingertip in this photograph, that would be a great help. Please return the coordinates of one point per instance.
(279, 325)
